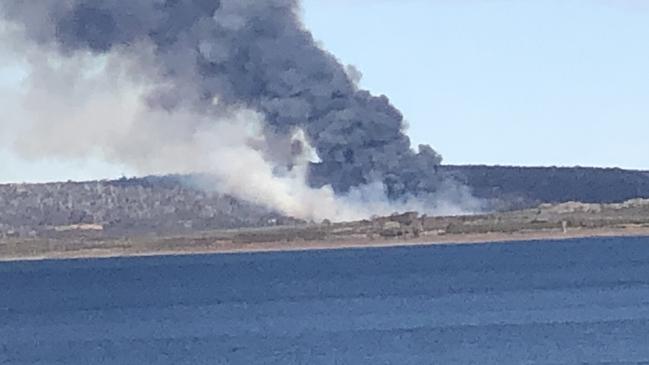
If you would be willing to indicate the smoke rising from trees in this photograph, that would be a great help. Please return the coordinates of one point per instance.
(236, 88)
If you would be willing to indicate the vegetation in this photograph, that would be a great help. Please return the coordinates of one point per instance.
(507, 187)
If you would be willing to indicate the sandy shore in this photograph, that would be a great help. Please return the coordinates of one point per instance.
(223, 248)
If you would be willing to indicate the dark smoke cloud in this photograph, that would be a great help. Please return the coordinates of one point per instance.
(211, 54)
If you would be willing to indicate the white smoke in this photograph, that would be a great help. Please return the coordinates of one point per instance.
(82, 105)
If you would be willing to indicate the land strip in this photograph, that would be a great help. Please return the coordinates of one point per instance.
(559, 221)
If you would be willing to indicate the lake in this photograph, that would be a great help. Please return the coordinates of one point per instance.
(542, 302)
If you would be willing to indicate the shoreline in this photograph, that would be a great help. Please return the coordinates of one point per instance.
(361, 243)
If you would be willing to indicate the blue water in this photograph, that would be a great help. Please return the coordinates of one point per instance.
(569, 302)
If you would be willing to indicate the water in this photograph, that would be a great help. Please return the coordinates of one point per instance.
(578, 301)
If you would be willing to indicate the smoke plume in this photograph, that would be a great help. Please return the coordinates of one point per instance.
(235, 88)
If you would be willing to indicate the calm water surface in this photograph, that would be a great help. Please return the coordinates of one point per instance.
(570, 302)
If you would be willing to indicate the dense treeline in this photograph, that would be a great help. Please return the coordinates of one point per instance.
(176, 204)
(125, 206)
(518, 187)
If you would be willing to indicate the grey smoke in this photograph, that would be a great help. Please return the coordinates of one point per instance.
(211, 57)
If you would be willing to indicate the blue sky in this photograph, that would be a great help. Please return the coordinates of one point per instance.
(547, 82)
(504, 82)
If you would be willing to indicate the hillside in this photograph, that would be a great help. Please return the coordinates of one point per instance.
(169, 204)
(123, 207)
(511, 187)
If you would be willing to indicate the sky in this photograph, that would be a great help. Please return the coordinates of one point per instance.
(556, 82)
